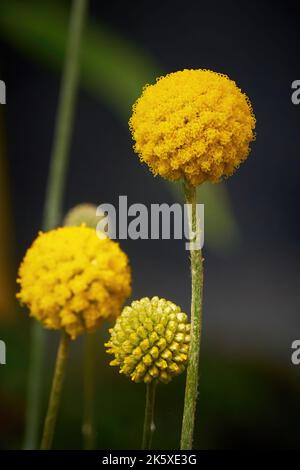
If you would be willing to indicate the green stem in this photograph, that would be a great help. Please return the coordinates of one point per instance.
(88, 425)
(53, 204)
(55, 395)
(34, 386)
(149, 426)
(191, 389)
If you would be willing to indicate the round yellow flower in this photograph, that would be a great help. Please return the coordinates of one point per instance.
(193, 124)
(150, 340)
(72, 280)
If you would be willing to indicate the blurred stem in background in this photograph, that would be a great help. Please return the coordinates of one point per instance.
(57, 383)
(53, 204)
(39, 30)
(88, 424)
(191, 388)
(149, 426)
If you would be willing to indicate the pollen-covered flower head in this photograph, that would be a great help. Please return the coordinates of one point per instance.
(72, 280)
(150, 340)
(193, 124)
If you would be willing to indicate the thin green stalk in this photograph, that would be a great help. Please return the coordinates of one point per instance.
(149, 426)
(55, 395)
(34, 386)
(88, 425)
(191, 389)
(53, 204)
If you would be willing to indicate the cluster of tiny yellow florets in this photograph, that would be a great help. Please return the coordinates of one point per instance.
(70, 279)
(150, 340)
(193, 124)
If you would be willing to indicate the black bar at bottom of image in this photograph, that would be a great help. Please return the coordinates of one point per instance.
(89, 459)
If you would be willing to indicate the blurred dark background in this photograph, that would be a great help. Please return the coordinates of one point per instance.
(249, 395)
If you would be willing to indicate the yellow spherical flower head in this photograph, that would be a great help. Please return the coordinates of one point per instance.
(193, 124)
(150, 340)
(72, 280)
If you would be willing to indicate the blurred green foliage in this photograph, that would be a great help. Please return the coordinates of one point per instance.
(114, 70)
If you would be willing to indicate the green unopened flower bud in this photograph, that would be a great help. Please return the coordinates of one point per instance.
(82, 214)
(150, 340)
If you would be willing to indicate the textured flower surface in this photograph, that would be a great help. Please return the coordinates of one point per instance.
(72, 280)
(150, 340)
(193, 124)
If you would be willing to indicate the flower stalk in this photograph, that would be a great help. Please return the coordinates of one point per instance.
(149, 425)
(53, 204)
(88, 424)
(55, 395)
(191, 389)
